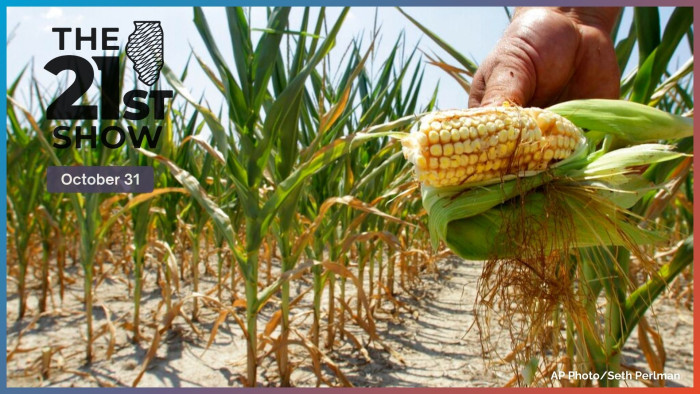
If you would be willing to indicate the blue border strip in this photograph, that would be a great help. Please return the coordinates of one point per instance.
(357, 3)
(3, 209)
(162, 3)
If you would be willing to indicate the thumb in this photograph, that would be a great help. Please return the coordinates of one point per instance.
(510, 80)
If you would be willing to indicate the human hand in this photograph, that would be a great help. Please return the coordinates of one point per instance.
(550, 55)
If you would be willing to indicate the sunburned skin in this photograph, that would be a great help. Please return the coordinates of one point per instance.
(550, 55)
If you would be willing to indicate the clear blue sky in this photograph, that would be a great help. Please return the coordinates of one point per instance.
(472, 31)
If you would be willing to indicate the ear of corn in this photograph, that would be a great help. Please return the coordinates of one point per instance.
(466, 201)
(484, 145)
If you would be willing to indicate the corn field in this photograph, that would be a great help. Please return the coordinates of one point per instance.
(291, 217)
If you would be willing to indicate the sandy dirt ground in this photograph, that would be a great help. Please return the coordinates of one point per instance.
(431, 342)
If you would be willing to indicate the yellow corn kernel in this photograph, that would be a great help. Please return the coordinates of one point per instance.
(459, 148)
(444, 163)
(433, 137)
(422, 139)
(473, 133)
(421, 162)
(448, 149)
(468, 147)
(548, 154)
(445, 136)
(476, 145)
(433, 164)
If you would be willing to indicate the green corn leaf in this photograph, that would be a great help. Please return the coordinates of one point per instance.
(641, 299)
(220, 136)
(322, 159)
(283, 117)
(297, 62)
(13, 86)
(215, 126)
(238, 107)
(208, 71)
(194, 189)
(266, 54)
(623, 49)
(672, 82)
(239, 32)
(648, 31)
(466, 63)
(655, 64)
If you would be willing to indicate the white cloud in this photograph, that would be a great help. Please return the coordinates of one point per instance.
(53, 13)
(55, 17)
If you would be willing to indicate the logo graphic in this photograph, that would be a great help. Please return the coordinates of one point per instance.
(145, 50)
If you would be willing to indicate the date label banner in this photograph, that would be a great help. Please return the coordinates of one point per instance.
(99, 179)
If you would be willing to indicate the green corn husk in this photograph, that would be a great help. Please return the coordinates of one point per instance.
(513, 228)
(633, 122)
(475, 222)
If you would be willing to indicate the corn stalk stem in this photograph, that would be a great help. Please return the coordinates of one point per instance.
(46, 254)
(194, 267)
(318, 292)
(253, 242)
(87, 292)
(167, 291)
(371, 282)
(330, 334)
(219, 273)
(251, 291)
(283, 352)
(61, 263)
(138, 277)
(390, 271)
(285, 372)
(341, 314)
(22, 262)
(21, 286)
